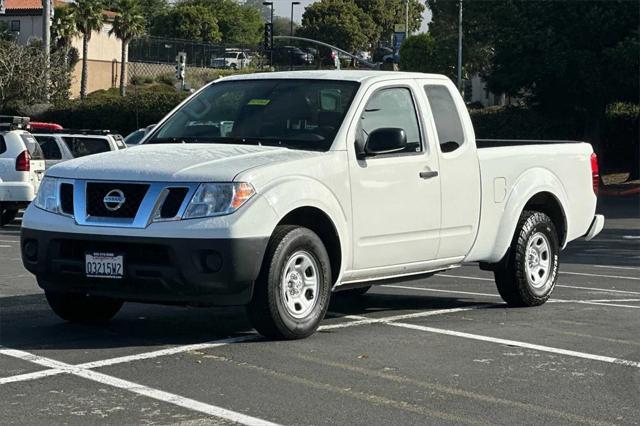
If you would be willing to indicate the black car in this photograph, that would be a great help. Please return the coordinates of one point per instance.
(285, 55)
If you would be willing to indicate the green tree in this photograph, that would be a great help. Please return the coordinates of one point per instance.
(282, 26)
(417, 54)
(569, 57)
(88, 17)
(387, 13)
(265, 11)
(238, 23)
(340, 23)
(188, 21)
(63, 30)
(128, 24)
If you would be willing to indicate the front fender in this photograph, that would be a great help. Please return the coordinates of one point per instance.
(290, 193)
(528, 184)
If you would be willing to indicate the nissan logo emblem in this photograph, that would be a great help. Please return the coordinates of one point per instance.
(114, 200)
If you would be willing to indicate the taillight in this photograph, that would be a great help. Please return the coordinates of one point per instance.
(595, 173)
(23, 162)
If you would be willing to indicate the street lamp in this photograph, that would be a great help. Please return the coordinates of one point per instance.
(270, 3)
(293, 3)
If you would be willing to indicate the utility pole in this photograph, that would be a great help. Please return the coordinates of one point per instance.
(460, 46)
(293, 3)
(406, 19)
(46, 42)
(270, 3)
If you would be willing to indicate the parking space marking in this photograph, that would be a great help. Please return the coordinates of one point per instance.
(629, 268)
(614, 300)
(9, 241)
(168, 351)
(137, 388)
(519, 344)
(30, 376)
(584, 274)
(5, 246)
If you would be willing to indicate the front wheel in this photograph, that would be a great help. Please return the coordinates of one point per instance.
(292, 293)
(77, 307)
(528, 273)
(7, 216)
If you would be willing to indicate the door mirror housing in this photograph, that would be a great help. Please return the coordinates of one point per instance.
(385, 141)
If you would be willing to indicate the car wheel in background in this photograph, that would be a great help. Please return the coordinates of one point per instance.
(528, 273)
(292, 293)
(7, 216)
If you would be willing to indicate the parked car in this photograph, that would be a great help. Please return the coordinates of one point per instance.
(285, 55)
(71, 143)
(320, 183)
(21, 167)
(231, 59)
(135, 137)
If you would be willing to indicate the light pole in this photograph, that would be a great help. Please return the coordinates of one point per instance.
(293, 3)
(406, 19)
(270, 3)
(460, 46)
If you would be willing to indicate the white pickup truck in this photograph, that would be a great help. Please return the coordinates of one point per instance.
(275, 190)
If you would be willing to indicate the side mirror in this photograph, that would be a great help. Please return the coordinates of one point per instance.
(385, 141)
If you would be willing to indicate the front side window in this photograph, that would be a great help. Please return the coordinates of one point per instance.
(393, 108)
(297, 114)
(82, 146)
(50, 148)
(446, 117)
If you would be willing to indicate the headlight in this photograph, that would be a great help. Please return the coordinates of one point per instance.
(217, 199)
(48, 197)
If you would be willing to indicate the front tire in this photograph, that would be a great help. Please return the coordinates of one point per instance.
(7, 216)
(292, 292)
(78, 307)
(529, 272)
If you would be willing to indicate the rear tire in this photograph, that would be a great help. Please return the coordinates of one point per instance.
(528, 273)
(7, 216)
(77, 307)
(293, 290)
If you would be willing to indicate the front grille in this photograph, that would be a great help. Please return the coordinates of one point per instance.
(173, 202)
(66, 198)
(133, 194)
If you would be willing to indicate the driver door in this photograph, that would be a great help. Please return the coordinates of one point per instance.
(396, 196)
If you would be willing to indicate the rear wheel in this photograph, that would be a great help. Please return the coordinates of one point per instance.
(292, 293)
(77, 307)
(7, 216)
(528, 273)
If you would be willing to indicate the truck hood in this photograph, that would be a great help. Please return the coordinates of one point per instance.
(175, 163)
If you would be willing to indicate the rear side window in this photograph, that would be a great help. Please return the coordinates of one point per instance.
(32, 146)
(49, 147)
(80, 146)
(446, 117)
(3, 145)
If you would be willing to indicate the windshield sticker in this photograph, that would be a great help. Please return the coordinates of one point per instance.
(259, 102)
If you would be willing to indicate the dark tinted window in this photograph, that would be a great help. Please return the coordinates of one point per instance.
(3, 145)
(135, 137)
(393, 108)
(50, 148)
(33, 147)
(80, 146)
(302, 114)
(445, 115)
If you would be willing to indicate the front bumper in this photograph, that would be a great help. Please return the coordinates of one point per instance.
(218, 272)
(22, 192)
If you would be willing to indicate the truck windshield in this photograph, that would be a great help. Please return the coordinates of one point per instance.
(298, 114)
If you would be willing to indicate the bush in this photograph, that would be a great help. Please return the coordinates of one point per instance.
(119, 114)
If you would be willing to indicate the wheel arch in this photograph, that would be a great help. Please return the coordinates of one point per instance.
(319, 222)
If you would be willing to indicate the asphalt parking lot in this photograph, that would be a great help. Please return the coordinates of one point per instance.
(441, 350)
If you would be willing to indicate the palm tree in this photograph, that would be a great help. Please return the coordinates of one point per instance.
(88, 17)
(63, 29)
(129, 23)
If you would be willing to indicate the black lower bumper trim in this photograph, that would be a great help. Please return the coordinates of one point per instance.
(206, 272)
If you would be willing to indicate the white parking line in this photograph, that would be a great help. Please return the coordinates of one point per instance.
(9, 241)
(584, 274)
(614, 300)
(139, 389)
(631, 268)
(524, 345)
(4, 246)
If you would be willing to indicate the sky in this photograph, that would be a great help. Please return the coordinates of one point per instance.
(283, 8)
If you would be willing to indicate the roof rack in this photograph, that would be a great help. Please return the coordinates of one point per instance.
(12, 122)
(82, 131)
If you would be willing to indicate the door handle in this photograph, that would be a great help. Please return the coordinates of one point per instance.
(428, 174)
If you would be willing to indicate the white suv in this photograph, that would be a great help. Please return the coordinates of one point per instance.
(21, 167)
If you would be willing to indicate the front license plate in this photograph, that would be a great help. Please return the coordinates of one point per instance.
(104, 265)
